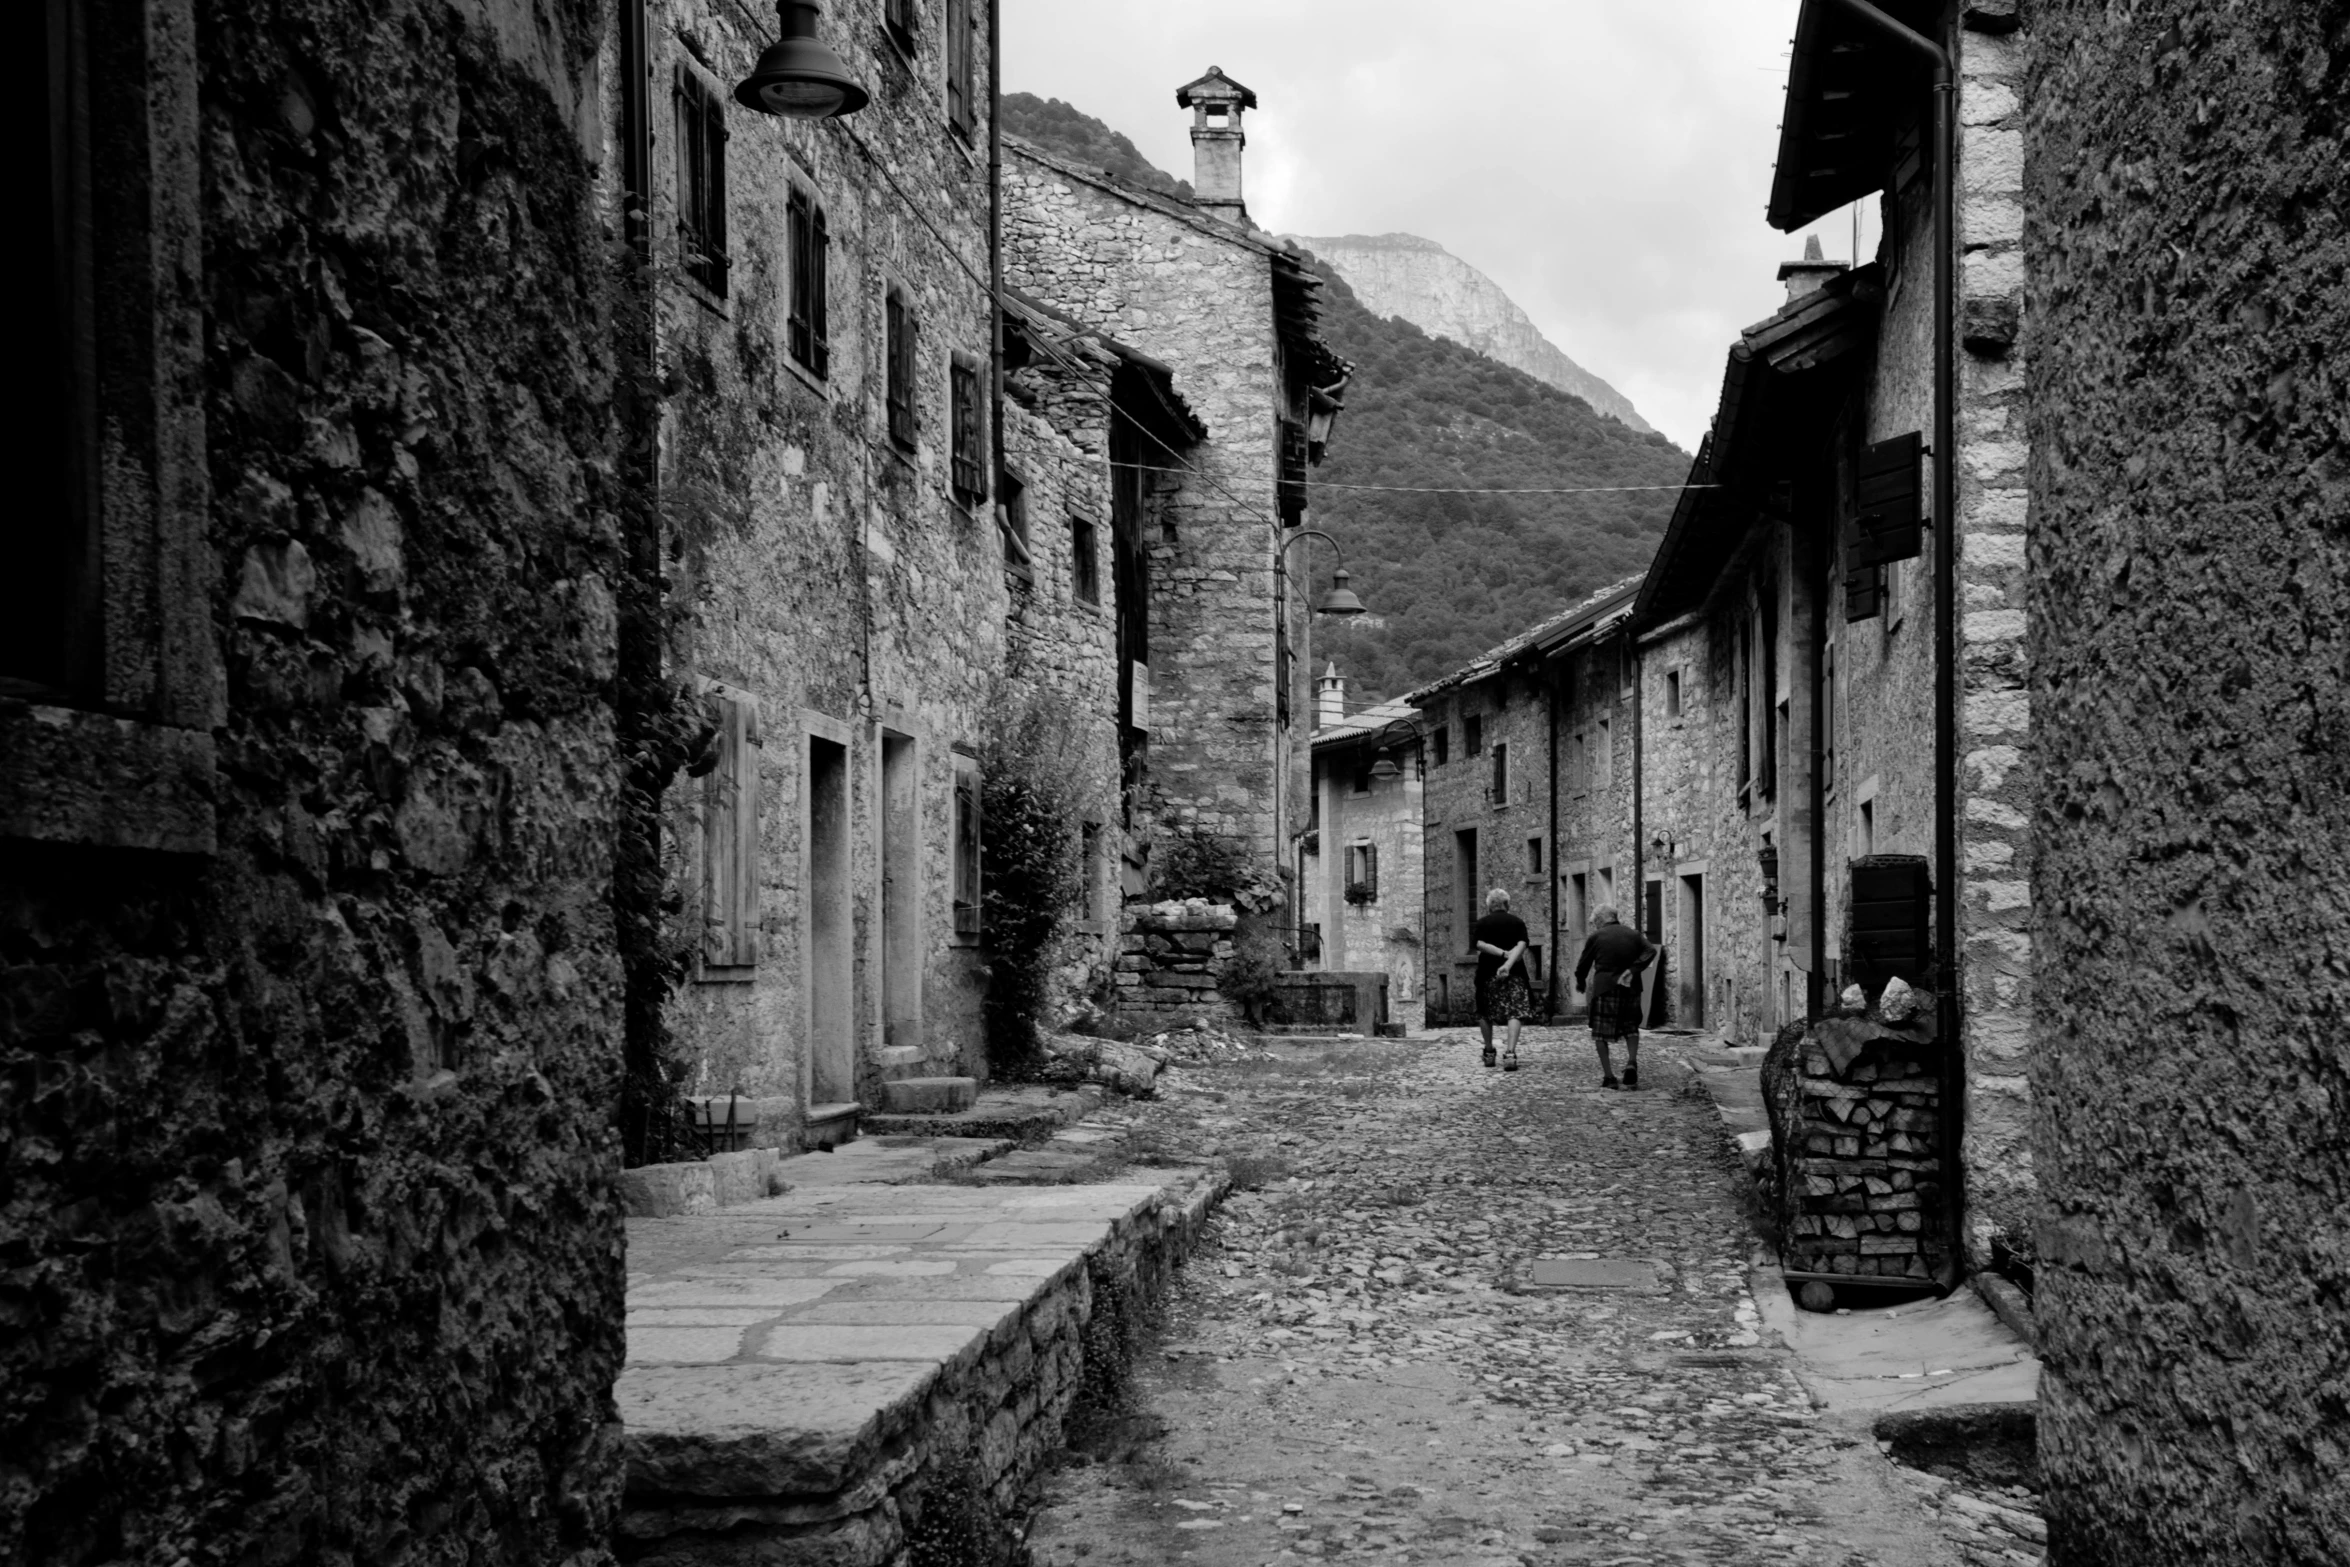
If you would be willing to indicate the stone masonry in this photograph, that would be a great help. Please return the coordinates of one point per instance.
(1170, 961)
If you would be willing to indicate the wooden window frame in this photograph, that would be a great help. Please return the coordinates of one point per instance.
(107, 742)
(956, 27)
(700, 128)
(901, 337)
(808, 318)
(967, 432)
(1085, 560)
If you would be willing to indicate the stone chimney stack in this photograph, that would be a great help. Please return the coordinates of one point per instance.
(1216, 102)
(1330, 697)
(1809, 275)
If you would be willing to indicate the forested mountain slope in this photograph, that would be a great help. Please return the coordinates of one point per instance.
(1446, 576)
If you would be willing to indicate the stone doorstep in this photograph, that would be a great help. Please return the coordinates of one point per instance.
(928, 1095)
(813, 1384)
(1021, 1114)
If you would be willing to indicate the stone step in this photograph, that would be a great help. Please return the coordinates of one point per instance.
(901, 1061)
(928, 1095)
(1024, 1115)
(830, 1125)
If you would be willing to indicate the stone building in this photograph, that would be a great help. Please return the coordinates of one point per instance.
(307, 795)
(2189, 629)
(838, 599)
(1362, 903)
(1228, 315)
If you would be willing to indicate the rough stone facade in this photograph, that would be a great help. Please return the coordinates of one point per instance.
(839, 596)
(1483, 820)
(313, 1251)
(2189, 629)
(1361, 866)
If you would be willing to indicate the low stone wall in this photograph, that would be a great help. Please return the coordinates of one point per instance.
(1329, 1001)
(664, 1191)
(1855, 1117)
(1171, 959)
(886, 1463)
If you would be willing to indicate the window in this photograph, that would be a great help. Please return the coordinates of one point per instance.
(1578, 906)
(1012, 520)
(701, 181)
(1533, 856)
(730, 840)
(809, 243)
(967, 849)
(1501, 773)
(1868, 827)
(1672, 693)
(1362, 873)
(1443, 738)
(1472, 734)
(965, 473)
(899, 328)
(1578, 763)
(958, 46)
(899, 21)
(1604, 762)
(1085, 569)
(1359, 772)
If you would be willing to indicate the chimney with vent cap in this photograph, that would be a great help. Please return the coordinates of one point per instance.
(1812, 273)
(1216, 102)
(1330, 696)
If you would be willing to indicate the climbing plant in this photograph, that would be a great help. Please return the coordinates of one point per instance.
(1037, 788)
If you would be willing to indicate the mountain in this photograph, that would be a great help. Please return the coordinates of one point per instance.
(1419, 280)
(1073, 134)
(1446, 576)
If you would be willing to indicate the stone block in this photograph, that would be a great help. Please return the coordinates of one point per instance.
(928, 1095)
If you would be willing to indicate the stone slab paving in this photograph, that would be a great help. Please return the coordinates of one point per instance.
(1360, 1366)
(803, 1371)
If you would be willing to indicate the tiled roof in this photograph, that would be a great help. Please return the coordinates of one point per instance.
(1370, 720)
(1585, 615)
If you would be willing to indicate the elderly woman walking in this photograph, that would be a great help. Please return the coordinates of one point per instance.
(1613, 956)
(1503, 992)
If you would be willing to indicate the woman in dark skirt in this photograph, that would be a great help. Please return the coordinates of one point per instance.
(1504, 994)
(1613, 958)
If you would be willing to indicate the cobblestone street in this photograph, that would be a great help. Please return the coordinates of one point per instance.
(1358, 1365)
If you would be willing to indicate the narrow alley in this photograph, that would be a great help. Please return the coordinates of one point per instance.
(1365, 1361)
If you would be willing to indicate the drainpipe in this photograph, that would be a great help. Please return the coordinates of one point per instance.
(1639, 780)
(1550, 868)
(1945, 521)
(995, 225)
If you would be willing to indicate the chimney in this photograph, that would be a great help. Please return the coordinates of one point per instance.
(1809, 275)
(1216, 102)
(1330, 697)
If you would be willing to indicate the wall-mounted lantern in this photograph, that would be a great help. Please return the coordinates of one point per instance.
(799, 77)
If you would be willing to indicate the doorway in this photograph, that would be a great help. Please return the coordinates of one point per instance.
(1689, 937)
(1467, 901)
(1652, 925)
(831, 949)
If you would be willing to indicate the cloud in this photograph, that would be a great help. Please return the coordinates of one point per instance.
(1605, 161)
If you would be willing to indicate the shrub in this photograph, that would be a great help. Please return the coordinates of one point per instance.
(1036, 787)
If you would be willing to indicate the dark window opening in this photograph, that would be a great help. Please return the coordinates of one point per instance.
(958, 45)
(1012, 518)
(810, 243)
(1443, 744)
(899, 330)
(1359, 776)
(1085, 571)
(1472, 735)
(1533, 856)
(899, 21)
(701, 182)
(964, 469)
(1672, 693)
(1501, 773)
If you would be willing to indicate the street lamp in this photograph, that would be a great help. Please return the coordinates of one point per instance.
(797, 76)
(1385, 767)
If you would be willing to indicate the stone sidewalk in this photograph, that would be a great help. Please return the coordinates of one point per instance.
(824, 1374)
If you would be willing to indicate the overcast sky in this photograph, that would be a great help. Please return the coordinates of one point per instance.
(1605, 161)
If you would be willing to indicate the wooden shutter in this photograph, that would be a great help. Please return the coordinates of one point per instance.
(1371, 869)
(701, 181)
(901, 326)
(808, 239)
(730, 836)
(958, 48)
(963, 466)
(1887, 505)
(1501, 772)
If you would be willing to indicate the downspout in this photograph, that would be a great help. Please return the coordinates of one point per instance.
(1822, 746)
(1639, 781)
(995, 226)
(1945, 523)
(1550, 868)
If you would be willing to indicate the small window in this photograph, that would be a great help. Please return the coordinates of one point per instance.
(1604, 763)
(1501, 773)
(810, 244)
(965, 471)
(1472, 734)
(899, 21)
(1012, 519)
(899, 328)
(1362, 873)
(1578, 775)
(967, 849)
(1533, 856)
(1085, 570)
(1443, 744)
(1359, 776)
(1868, 827)
(701, 181)
(958, 63)
(1672, 693)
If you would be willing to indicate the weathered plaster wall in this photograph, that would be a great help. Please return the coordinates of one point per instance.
(2190, 625)
(312, 1250)
(1197, 295)
(822, 568)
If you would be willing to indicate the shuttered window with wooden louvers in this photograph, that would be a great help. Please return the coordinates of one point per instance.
(900, 332)
(1887, 501)
(1501, 773)
(897, 17)
(958, 65)
(730, 839)
(1291, 492)
(808, 328)
(701, 181)
(967, 849)
(964, 469)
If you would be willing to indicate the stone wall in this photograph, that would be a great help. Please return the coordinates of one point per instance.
(1196, 294)
(1171, 960)
(823, 570)
(313, 1246)
(1512, 707)
(1383, 933)
(2190, 623)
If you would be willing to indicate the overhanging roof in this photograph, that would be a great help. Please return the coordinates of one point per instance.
(1549, 635)
(1773, 378)
(1848, 89)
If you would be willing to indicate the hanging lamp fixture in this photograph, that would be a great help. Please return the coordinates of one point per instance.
(798, 76)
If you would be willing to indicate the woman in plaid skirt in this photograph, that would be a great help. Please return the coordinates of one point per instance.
(1504, 994)
(1614, 956)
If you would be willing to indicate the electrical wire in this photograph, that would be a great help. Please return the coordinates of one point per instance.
(1423, 489)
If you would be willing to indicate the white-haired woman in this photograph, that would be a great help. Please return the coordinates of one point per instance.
(1504, 994)
(1613, 956)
